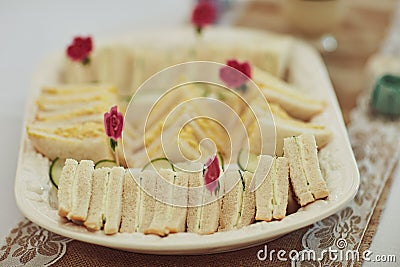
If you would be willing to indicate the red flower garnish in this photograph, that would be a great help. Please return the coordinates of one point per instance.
(212, 174)
(113, 123)
(231, 77)
(80, 49)
(203, 14)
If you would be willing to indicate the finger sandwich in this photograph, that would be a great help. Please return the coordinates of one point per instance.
(238, 203)
(305, 174)
(273, 190)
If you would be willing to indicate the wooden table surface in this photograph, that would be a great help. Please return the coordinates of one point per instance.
(359, 35)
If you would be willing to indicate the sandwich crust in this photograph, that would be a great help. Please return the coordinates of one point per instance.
(113, 200)
(81, 191)
(177, 216)
(129, 203)
(162, 207)
(305, 174)
(94, 220)
(248, 207)
(204, 218)
(65, 187)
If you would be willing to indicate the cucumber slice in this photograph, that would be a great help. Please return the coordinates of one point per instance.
(105, 163)
(247, 161)
(159, 163)
(221, 161)
(55, 171)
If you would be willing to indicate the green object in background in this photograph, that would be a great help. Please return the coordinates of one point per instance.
(386, 95)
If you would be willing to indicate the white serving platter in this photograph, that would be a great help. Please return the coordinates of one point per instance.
(337, 163)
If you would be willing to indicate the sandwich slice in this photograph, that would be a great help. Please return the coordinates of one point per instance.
(65, 187)
(114, 65)
(146, 202)
(231, 202)
(163, 140)
(204, 207)
(95, 216)
(248, 208)
(286, 126)
(69, 121)
(81, 191)
(164, 191)
(129, 201)
(294, 101)
(178, 211)
(79, 140)
(272, 193)
(113, 201)
(72, 111)
(77, 89)
(58, 101)
(305, 174)
(238, 203)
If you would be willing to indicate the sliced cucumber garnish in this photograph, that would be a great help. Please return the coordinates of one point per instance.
(247, 161)
(105, 163)
(221, 161)
(55, 171)
(159, 163)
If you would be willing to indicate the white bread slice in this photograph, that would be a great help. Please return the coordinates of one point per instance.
(204, 207)
(53, 142)
(94, 219)
(272, 195)
(146, 204)
(312, 170)
(305, 174)
(248, 208)
(294, 101)
(65, 187)
(81, 191)
(96, 118)
(56, 100)
(232, 200)
(177, 216)
(113, 200)
(76, 73)
(46, 109)
(162, 208)
(281, 188)
(79, 88)
(287, 126)
(264, 194)
(114, 65)
(129, 201)
(86, 109)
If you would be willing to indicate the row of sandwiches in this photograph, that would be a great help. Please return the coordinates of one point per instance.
(68, 121)
(128, 63)
(164, 202)
(291, 110)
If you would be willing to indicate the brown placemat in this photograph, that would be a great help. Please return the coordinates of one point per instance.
(359, 35)
(79, 254)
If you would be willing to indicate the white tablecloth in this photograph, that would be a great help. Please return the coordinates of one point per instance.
(29, 30)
